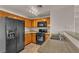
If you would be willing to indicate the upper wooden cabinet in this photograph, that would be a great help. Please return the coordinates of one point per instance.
(10, 15)
(35, 21)
(28, 23)
(15, 17)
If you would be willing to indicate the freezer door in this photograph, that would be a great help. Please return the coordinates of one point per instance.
(10, 35)
(20, 35)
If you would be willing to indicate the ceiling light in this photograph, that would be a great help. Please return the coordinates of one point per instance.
(34, 11)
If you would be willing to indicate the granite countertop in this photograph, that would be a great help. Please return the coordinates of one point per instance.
(31, 32)
(36, 32)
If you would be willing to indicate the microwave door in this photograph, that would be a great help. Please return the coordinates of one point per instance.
(42, 24)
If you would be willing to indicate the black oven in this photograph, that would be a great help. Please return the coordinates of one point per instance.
(43, 30)
(40, 36)
(42, 24)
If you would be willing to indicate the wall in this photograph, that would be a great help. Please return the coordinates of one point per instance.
(62, 19)
(76, 17)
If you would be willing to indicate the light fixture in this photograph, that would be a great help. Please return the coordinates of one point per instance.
(34, 11)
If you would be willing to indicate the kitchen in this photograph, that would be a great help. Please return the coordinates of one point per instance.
(35, 30)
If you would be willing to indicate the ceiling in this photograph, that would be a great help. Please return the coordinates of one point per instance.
(32, 11)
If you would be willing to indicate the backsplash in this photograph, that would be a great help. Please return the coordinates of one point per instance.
(31, 29)
(35, 29)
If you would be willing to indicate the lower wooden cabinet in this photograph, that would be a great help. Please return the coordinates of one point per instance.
(33, 37)
(47, 36)
(30, 38)
(27, 38)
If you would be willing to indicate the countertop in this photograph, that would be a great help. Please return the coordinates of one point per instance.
(31, 32)
(36, 32)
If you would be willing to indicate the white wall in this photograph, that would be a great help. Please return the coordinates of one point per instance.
(76, 18)
(62, 19)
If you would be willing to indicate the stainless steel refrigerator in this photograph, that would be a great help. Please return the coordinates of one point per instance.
(11, 35)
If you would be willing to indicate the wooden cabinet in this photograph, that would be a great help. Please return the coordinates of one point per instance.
(10, 15)
(30, 38)
(35, 21)
(47, 36)
(33, 37)
(28, 23)
(27, 38)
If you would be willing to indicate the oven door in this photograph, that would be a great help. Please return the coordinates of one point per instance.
(40, 38)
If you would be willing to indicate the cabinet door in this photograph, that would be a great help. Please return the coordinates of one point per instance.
(27, 38)
(46, 36)
(28, 23)
(34, 23)
(33, 37)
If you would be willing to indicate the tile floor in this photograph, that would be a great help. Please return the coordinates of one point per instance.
(31, 48)
(51, 47)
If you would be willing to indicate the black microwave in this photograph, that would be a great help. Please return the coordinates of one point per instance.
(42, 24)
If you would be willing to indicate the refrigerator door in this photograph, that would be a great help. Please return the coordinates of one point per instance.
(20, 35)
(10, 35)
